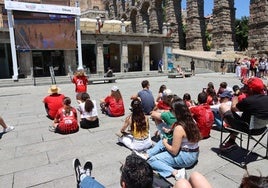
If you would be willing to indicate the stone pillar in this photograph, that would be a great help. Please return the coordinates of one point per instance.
(153, 21)
(258, 28)
(25, 63)
(70, 60)
(124, 56)
(99, 58)
(195, 15)
(173, 16)
(146, 57)
(145, 30)
(223, 33)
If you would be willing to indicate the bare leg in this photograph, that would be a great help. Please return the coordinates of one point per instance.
(197, 180)
(182, 183)
(2, 122)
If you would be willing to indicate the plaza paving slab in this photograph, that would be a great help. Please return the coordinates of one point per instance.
(31, 156)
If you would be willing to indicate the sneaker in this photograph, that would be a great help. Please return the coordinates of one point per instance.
(88, 168)
(180, 174)
(78, 170)
(143, 155)
(52, 128)
(8, 129)
(229, 145)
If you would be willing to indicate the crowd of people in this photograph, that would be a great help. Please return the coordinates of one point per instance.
(181, 123)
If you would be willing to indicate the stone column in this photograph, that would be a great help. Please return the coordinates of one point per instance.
(99, 58)
(25, 68)
(70, 60)
(124, 55)
(258, 28)
(195, 15)
(223, 36)
(146, 57)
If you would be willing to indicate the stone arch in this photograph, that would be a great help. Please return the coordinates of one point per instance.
(133, 19)
(144, 13)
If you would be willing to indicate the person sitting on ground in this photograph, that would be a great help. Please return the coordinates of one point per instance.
(164, 120)
(179, 71)
(160, 93)
(196, 180)
(254, 104)
(89, 113)
(224, 105)
(164, 103)
(146, 97)
(109, 72)
(223, 87)
(203, 115)
(80, 80)
(182, 151)
(212, 98)
(65, 121)
(113, 104)
(138, 136)
(6, 128)
(135, 173)
(53, 102)
(187, 99)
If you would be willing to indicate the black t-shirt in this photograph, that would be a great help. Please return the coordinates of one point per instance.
(256, 105)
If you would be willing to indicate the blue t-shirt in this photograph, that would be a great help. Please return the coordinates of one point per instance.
(147, 100)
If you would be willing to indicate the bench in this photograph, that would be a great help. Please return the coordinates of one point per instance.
(174, 74)
(92, 80)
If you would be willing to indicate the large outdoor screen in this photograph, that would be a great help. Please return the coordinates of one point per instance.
(42, 31)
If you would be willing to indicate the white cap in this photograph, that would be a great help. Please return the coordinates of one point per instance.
(167, 92)
(115, 88)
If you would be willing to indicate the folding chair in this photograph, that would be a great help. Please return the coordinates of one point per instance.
(258, 128)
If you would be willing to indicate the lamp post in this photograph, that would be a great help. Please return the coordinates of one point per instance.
(78, 31)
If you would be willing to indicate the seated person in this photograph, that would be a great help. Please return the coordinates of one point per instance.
(160, 93)
(135, 173)
(89, 113)
(138, 137)
(254, 104)
(109, 72)
(166, 156)
(187, 100)
(203, 115)
(65, 121)
(164, 103)
(179, 70)
(146, 97)
(53, 102)
(113, 104)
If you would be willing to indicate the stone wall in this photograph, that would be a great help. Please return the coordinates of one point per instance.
(258, 28)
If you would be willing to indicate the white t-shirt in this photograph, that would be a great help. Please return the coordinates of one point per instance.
(84, 114)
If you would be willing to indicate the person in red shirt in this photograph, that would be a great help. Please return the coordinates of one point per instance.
(203, 115)
(65, 121)
(80, 80)
(53, 102)
(113, 104)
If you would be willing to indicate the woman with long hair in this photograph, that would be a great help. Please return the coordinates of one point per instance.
(137, 137)
(88, 111)
(181, 151)
(113, 104)
(65, 121)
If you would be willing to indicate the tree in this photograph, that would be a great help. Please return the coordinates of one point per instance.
(241, 33)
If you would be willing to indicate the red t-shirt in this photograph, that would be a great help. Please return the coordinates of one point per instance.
(116, 108)
(53, 102)
(204, 118)
(67, 123)
(162, 105)
(80, 83)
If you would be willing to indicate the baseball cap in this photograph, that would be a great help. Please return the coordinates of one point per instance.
(255, 84)
(167, 92)
(114, 88)
(226, 94)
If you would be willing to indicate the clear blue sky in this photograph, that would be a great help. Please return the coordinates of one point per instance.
(242, 7)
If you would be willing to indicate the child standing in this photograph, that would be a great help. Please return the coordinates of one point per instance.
(80, 80)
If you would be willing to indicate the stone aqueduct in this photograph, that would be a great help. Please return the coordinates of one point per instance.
(150, 13)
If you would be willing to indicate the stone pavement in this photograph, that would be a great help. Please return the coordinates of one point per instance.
(31, 156)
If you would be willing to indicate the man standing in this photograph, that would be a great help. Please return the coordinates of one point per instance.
(192, 67)
(146, 97)
(160, 65)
